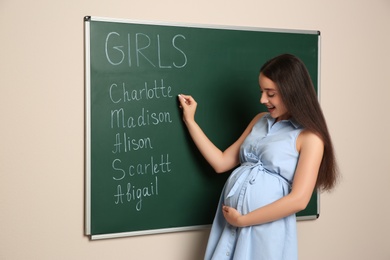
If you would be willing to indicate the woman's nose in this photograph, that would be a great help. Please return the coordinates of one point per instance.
(263, 99)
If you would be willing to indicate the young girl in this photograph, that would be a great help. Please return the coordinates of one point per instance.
(284, 154)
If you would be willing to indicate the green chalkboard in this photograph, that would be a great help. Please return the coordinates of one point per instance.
(143, 173)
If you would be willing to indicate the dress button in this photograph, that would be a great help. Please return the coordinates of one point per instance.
(227, 253)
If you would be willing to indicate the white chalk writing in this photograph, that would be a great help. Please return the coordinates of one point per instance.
(145, 50)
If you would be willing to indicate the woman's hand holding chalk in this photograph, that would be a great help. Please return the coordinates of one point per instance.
(185, 99)
(188, 105)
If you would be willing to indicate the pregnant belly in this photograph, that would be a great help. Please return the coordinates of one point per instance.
(249, 189)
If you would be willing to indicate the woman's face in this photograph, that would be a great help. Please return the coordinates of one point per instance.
(270, 97)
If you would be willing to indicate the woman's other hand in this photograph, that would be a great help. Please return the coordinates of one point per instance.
(232, 216)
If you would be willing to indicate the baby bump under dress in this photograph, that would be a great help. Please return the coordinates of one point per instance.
(268, 159)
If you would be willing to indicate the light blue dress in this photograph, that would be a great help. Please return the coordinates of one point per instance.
(268, 159)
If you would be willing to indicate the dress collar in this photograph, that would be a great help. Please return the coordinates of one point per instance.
(291, 120)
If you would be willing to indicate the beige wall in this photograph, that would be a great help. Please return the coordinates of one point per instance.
(42, 124)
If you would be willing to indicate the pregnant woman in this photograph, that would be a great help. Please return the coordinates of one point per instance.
(282, 156)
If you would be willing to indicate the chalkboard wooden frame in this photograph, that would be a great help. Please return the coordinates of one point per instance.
(313, 213)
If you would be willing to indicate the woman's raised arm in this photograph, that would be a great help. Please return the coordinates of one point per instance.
(221, 161)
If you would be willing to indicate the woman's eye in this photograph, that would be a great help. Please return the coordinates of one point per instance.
(271, 94)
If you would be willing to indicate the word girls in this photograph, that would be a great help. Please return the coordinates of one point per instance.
(139, 49)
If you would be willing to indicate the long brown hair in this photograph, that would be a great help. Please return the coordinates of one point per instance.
(289, 73)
